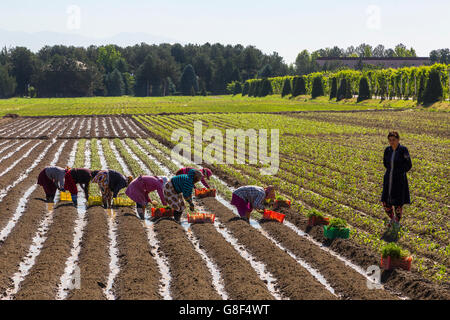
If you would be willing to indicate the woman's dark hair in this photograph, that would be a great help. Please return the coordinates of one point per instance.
(394, 134)
(94, 173)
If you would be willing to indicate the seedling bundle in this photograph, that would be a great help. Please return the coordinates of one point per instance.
(65, 196)
(95, 201)
(123, 202)
(316, 218)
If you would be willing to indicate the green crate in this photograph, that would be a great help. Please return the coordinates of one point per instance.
(333, 233)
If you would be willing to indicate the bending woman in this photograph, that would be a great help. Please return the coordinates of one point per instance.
(110, 183)
(139, 189)
(206, 174)
(395, 194)
(180, 188)
(51, 178)
(247, 198)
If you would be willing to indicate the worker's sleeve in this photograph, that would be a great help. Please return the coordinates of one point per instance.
(259, 201)
(188, 186)
(69, 184)
(161, 196)
(205, 183)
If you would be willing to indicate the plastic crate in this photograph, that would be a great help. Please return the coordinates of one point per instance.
(123, 202)
(95, 201)
(333, 233)
(389, 263)
(205, 193)
(274, 216)
(162, 213)
(201, 217)
(65, 196)
(318, 221)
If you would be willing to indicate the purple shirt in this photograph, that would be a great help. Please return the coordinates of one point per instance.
(140, 187)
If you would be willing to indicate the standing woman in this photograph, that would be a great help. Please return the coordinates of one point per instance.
(51, 178)
(395, 184)
(139, 189)
(180, 187)
(206, 174)
(110, 183)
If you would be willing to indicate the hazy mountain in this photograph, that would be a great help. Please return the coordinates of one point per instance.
(37, 40)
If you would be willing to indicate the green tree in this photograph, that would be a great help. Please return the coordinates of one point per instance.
(317, 87)
(433, 91)
(23, 67)
(421, 91)
(286, 88)
(364, 90)
(342, 90)
(333, 91)
(299, 86)
(265, 88)
(115, 85)
(245, 89)
(237, 88)
(7, 83)
(110, 58)
(188, 81)
(265, 72)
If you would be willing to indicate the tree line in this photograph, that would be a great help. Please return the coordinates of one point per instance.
(160, 70)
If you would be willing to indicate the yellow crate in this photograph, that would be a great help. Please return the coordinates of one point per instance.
(95, 201)
(65, 196)
(123, 202)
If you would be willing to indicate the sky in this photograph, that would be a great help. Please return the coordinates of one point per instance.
(284, 26)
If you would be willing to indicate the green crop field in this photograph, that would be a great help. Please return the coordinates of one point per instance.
(172, 104)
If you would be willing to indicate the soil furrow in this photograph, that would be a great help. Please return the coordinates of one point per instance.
(94, 258)
(241, 280)
(138, 278)
(191, 279)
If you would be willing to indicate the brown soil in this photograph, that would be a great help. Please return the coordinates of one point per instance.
(43, 279)
(240, 279)
(9, 147)
(293, 280)
(16, 245)
(14, 173)
(94, 257)
(138, 278)
(191, 279)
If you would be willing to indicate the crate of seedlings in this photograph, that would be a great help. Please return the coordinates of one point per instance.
(337, 228)
(205, 193)
(282, 202)
(65, 196)
(95, 201)
(162, 212)
(316, 218)
(273, 216)
(393, 257)
(123, 202)
(201, 218)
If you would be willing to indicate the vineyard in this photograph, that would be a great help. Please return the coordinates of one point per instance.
(329, 162)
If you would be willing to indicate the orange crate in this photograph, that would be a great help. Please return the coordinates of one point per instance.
(201, 217)
(204, 193)
(272, 215)
(389, 263)
(162, 213)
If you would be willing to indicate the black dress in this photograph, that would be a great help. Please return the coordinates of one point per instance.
(395, 182)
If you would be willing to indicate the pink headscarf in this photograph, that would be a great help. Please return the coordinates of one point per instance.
(207, 173)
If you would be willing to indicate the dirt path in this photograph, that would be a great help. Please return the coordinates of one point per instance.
(241, 280)
(94, 257)
(191, 279)
(139, 277)
(293, 280)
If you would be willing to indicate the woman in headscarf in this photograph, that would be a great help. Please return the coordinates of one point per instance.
(110, 183)
(81, 176)
(51, 179)
(139, 189)
(397, 162)
(248, 198)
(180, 188)
(206, 174)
